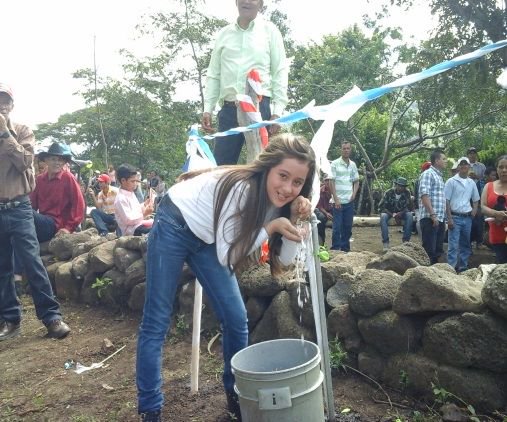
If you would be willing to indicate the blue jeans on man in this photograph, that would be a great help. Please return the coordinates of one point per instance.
(228, 148)
(343, 218)
(170, 244)
(458, 241)
(17, 234)
(45, 229)
(102, 220)
(432, 238)
(405, 216)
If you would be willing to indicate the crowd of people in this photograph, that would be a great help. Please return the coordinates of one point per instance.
(455, 209)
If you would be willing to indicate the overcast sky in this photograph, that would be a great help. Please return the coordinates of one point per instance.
(45, 41)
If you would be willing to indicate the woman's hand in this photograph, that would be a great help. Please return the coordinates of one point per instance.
(283, 226)
(301, 208)
(500, 217)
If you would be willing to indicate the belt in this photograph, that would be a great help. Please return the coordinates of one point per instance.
(234, 103)
(461, 214)
(16, 202)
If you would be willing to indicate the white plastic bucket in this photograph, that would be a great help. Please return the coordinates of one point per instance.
(279, 380)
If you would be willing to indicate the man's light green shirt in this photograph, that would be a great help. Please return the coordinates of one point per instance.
(236, 52)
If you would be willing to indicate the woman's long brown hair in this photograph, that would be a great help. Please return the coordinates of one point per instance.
(253, 213)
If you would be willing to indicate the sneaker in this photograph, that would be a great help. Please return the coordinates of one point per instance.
(151, 416)
(58, 329)
(9, 330)
(385, 246)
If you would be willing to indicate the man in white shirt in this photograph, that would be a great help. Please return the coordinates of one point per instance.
(459, 192)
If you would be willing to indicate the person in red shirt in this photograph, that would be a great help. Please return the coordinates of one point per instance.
(57, 200)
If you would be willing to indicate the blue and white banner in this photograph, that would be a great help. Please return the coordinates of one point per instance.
(343, 108)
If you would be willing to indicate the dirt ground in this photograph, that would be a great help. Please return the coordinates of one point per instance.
(35, 386)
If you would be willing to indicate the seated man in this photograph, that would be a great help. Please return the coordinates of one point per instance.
(103, 214)
(57, 199)
(397, 204)
(131, 216)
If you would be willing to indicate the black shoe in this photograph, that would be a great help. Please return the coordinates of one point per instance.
(58, 329)
(9, 330)
(151, 416)
(233, 406)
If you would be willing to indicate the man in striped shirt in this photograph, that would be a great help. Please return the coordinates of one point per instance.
(432, 206)
(344, 186)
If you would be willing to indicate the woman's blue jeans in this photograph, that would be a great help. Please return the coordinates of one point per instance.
(170, 244)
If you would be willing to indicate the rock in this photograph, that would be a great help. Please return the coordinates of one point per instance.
(136, 299)
(279, 322)
(483, 390)
(468, 340)
(116, 292)
(340, 292)
(47, 260)
(444, 266)
(371, 364)
(80, 266)
(67, 286)
(133, 243)
(123, 257)
(255, 308)
(107, 347)
(414, 251)
(472, 273)
(373, 291)
(494, 293)
(82, 248)
(101, 257)
(62, 245)
(342, 324)
(51, 270)
(393, 261)
(135, 274)
(88, 294)
(355, 260)
(452, 413)
(429, 289)
(332, 271)
(390, 333)
(258, 281)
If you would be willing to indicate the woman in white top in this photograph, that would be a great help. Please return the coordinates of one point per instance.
(214, 220)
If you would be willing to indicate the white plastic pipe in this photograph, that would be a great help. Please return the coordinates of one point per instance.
(196, 338)
(319, 313)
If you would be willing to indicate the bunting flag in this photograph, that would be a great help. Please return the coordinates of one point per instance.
(248, 112)
(199, 155)
(343, 108)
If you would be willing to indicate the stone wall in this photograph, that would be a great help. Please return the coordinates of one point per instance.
(403, 322)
